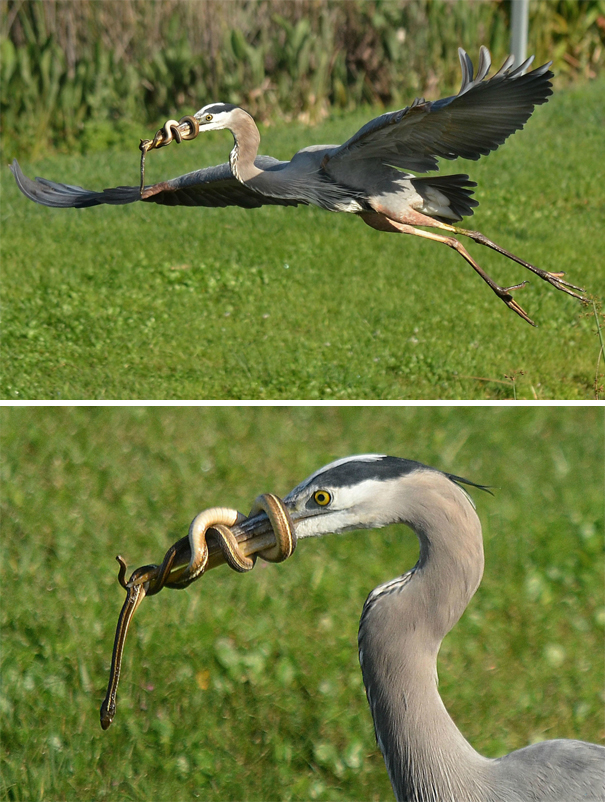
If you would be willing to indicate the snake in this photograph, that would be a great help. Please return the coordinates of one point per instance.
(171, 130)
(150, 579)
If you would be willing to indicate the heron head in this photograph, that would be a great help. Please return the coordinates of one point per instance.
(366, 491)
(217, 116)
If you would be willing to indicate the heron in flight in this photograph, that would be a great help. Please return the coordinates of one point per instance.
(403, 624)
(369, 175)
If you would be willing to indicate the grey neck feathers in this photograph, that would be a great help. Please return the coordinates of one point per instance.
(245, 149)
(401, 630)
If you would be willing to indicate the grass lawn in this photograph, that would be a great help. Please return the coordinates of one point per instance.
(247, 686)
(177, 303)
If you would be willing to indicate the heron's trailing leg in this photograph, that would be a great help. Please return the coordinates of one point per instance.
(504, 293)
(556, 279)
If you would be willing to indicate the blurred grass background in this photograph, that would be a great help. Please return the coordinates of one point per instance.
(76, 74)
(247, 686)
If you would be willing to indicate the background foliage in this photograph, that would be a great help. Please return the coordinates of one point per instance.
(78, 73)
(248, 686)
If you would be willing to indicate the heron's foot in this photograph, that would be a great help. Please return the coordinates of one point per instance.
(556, 279)
(504, 293)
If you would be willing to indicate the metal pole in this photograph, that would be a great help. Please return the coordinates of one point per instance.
(518, 36)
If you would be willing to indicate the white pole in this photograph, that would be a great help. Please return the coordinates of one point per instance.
(518, 36)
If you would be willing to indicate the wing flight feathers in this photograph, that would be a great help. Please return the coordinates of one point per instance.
(49, 193)
(477, 120)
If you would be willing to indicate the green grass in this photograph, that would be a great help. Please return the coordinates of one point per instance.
(177, 303)
(247, 686)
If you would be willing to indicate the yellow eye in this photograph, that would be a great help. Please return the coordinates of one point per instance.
(208, 117)
(322, 497)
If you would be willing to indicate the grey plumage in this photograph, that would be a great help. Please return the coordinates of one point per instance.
(403, 624)
(211, 186)
(470, 124)
(368, 174)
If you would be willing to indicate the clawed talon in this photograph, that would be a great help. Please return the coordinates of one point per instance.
(512, 304)
(555, 278)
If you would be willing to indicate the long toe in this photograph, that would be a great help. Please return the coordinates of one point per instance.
(512, 304)
(505, 294)
(556, 279)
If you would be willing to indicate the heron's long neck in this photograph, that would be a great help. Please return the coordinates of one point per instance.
(401, 630)
(245, 149)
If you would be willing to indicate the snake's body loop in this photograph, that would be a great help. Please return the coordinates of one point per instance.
(283, 528)
(223, 516)
(230, 549)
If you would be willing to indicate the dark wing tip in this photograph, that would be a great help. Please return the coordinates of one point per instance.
(65, 196)
(45, 192)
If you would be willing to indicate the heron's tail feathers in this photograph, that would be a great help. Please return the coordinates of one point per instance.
(48, 193)
(447, 197)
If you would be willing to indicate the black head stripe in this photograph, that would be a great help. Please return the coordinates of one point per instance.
(217, 108)
(350, 473)
(384, 468)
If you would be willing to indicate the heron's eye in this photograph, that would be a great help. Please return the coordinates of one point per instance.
(208, 117)
(322, 497)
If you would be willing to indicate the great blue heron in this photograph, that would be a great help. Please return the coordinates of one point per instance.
(403, 624)
(367, 175)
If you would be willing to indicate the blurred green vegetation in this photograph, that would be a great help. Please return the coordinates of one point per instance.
(76, 74)
(248, 686)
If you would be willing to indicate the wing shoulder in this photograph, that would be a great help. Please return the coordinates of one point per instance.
(570, 769)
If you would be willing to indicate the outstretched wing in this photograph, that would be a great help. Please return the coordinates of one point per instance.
(469, 125)
(211, 186)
